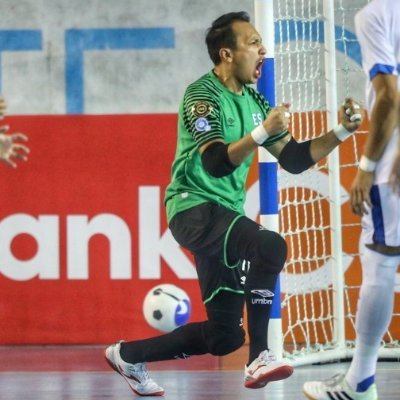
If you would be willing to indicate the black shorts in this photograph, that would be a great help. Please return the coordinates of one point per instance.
(204, 231)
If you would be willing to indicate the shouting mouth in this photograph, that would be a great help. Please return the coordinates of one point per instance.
(258, 70)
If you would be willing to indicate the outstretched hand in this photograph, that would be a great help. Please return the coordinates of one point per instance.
(10, 147)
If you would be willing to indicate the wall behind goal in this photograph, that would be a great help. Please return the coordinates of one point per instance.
(96, 86)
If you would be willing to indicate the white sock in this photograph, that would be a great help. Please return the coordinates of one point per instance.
(363, 364)
(374, 312)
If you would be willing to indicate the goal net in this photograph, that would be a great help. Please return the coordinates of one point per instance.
(322, 276)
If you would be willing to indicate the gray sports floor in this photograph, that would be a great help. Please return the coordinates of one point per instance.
(80, 373)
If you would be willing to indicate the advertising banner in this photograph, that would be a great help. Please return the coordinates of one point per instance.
(83, 233)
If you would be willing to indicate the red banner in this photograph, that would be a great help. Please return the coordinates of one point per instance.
(73, 266)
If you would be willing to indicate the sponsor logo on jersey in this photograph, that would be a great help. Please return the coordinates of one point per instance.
(202, 108)
(202, 125)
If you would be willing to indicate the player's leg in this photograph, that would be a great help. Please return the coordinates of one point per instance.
(221, 334)
(374, 312)
(266, 251)
(380, 259)
(202, 231)
(375, 306)
(229, 238)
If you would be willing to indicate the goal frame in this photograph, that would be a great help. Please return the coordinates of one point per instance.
(338, 348)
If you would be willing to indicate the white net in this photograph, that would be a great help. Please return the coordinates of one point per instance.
(308, 315)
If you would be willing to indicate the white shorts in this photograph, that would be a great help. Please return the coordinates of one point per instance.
(382, 224)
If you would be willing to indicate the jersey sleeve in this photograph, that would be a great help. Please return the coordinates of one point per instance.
(377, 51)
(201, 114)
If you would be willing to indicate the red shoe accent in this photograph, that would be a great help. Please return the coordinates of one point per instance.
(277, 374)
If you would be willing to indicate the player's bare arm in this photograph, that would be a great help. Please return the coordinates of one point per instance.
(394, 178)
(383, 120)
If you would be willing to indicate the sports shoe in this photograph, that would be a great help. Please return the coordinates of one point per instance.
(264, 369)
(336, 388)
(135, 374)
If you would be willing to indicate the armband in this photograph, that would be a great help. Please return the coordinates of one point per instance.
(216, 161)
(295, 157)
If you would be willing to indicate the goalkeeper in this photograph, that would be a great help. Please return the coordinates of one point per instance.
(222, 121)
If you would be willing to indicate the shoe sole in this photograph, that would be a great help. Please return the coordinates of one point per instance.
(276, 375)
(110, 363)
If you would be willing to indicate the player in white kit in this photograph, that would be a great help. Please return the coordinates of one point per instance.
(374, 196)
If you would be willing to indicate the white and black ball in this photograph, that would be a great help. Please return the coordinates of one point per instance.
(166, 307)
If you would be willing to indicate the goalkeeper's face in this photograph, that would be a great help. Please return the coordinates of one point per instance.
(249, 54)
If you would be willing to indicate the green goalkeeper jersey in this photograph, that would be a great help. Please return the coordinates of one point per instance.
(211, 111)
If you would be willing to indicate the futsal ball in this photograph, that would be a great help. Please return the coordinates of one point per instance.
(166, 307)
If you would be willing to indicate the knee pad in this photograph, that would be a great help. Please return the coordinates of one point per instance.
(271, 250)
(252, 242)
(223, 338)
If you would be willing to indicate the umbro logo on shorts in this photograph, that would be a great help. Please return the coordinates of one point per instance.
(265, 296)
(263, 292)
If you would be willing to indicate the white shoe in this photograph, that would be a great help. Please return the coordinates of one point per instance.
(337, 388)
(135, 374)
(264, 369)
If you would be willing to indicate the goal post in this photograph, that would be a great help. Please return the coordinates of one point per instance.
(334, 176)
(267, 164)
(314, 65)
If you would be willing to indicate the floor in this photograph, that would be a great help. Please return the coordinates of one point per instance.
(80, 373)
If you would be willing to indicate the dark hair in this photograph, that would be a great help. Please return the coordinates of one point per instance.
(220, 34)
